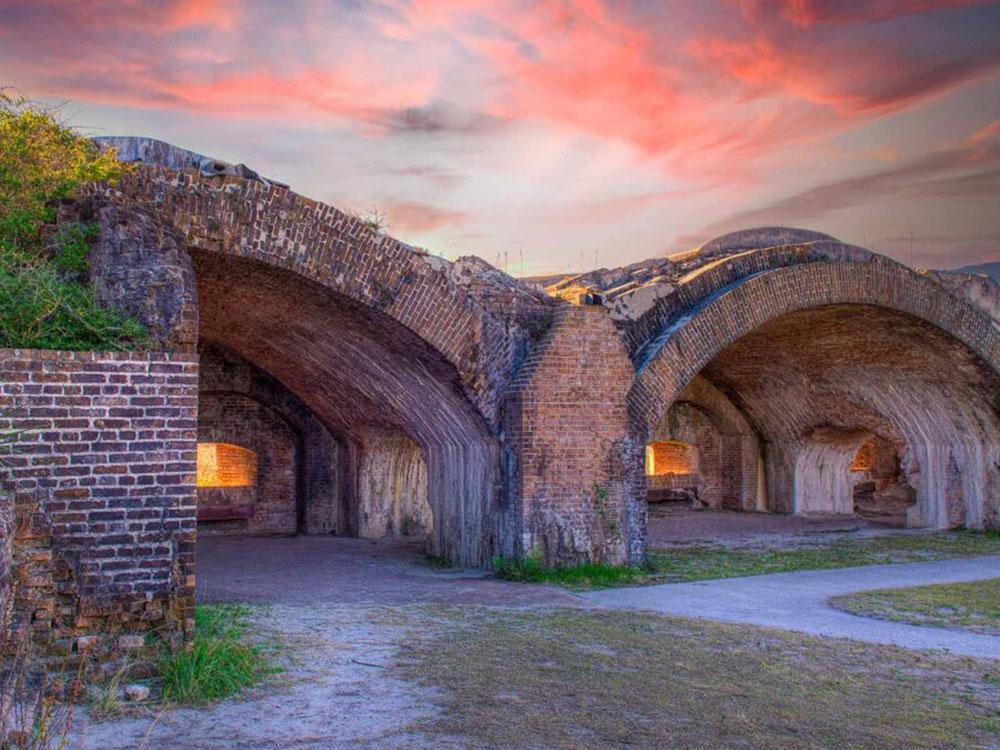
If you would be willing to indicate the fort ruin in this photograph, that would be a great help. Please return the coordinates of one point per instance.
(314, 376)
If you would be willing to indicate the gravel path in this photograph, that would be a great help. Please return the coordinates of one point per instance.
(799, 601)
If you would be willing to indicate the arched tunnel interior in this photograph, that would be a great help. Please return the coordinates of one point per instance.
(356, 425)
(840, 409)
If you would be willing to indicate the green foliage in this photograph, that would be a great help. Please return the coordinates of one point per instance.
(41, 161)
(73, 247)
(45, 302)
(41, 309)
(219, 662)
(371, 219)
(582, 576)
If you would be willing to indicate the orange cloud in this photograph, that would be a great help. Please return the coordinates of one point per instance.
(708, 99)
(807, 13)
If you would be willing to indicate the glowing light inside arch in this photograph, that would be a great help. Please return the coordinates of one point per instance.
(225, 465)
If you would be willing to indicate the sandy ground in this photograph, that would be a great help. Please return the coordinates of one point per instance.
(342, 607)
(671, 524)
(337, 604)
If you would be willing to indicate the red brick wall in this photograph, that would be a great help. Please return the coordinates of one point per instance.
(302, 483)
(567, 424)
(6, 557)
(103, 476)
(236, 419)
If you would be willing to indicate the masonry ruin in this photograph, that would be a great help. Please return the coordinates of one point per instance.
(317, 377)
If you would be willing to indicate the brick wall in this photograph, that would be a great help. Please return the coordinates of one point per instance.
(103, 481)
(6, 559)
(302, 483)
(567, 425)
(239, 420)
(264, 222)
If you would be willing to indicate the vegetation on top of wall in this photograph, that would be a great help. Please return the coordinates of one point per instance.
(46, 300)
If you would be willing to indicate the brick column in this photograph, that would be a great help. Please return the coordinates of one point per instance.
(575, 481)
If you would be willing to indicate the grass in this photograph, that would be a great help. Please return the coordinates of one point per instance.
(219, 663)
(969, 606)
(585, 576)
(582, 679)
(706, 561)
(104, 701)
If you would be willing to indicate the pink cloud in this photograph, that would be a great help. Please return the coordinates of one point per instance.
(706, 100)
(807, 13)
(419, 217)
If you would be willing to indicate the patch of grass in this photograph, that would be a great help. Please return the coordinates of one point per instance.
(702, 562)
(707, 561)
(971, 606)
(104, 701)
(219, 663)
(437, 561)
(584, 576)
(578, 678)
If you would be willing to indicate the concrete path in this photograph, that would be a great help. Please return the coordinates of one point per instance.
(798, 601)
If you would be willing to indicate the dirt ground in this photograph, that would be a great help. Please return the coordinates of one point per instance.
(672, 523)
(333, 604)
(348, 613)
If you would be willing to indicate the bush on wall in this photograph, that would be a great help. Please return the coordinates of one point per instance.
(46, 301)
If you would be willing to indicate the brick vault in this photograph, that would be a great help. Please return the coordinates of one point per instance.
(321, 377)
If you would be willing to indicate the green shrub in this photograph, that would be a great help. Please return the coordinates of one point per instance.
(41, 309)
(218, 663)
(45, 300)
(73, 247)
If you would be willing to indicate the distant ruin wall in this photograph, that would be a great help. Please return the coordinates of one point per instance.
(103, 490)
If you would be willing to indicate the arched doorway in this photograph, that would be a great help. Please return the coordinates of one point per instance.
(386, 441)
(821, 359)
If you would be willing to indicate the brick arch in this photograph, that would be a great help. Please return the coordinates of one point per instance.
(252, 220)
(374, 337)
(361, 373)
(671, 357)
(819, 354)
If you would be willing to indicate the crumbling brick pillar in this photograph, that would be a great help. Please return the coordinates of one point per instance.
(103, 477)
(575, 479)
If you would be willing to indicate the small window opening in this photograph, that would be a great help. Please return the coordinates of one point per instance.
(670, 457)
(225, 465)
(864, 459)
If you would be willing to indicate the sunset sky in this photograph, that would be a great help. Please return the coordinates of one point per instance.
(572, 133)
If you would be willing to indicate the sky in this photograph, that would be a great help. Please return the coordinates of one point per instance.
(560, 135)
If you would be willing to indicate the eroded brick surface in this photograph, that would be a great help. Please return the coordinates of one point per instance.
(103, 490)
(567, 423)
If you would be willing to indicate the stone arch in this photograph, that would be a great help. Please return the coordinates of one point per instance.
(361, 374)
(254, 220)
(322, 486)
(382, 343)
(727, 444)
(938, 418)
